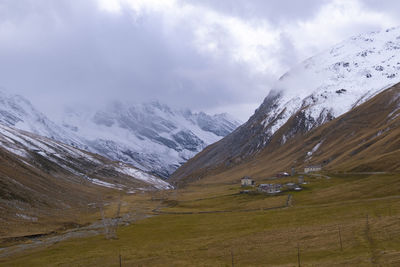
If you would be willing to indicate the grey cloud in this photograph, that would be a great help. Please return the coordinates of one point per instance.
(275, 11)
(388, 6)
(63, 53)
(67, 52)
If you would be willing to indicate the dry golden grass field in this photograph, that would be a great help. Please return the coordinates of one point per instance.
(347, 220)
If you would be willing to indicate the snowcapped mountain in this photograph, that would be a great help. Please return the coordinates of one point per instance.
(312, 93)
(18, 112)
(334, 81)
(150, 136)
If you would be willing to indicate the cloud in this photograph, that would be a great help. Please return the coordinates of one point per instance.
(206, 55)
(336, 21)
(275, 11)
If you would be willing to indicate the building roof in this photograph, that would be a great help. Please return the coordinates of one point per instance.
(313, 166)
(269, 185)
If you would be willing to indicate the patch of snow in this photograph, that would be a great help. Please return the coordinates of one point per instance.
(42, 153)
(145, 177)
(17, 151)
(105, 184)
(26, 217)
(315, 148)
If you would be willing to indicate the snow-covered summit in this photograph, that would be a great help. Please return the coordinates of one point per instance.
(333, 82)
(151, 136)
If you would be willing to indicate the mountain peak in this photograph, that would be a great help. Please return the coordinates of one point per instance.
(151, 136)
(340, 78)
(312, 93)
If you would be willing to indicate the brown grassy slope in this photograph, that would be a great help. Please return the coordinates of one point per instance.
(366, 138)
(29, 196)
(39, 194)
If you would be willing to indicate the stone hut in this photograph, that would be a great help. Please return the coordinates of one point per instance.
(247, 181)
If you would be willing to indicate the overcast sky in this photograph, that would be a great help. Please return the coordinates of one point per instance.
(211, 55)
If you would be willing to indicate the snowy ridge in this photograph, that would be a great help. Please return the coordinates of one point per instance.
(138, 174)
(335, 81)
(18, 112)
(30, 149)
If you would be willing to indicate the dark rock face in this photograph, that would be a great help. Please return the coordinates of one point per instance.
(7, 118)
(187, 140)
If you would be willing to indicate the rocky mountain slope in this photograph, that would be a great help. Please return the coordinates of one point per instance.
(313, 93)
(151, 136)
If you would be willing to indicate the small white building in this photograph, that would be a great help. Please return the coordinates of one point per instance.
(247, 181)
(312, 168)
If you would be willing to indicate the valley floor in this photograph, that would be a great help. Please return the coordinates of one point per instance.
(337, 220)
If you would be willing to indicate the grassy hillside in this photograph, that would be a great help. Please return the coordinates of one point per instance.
(366, 139)
(336, 220)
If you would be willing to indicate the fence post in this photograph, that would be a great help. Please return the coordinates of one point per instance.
(233, 262)
(340, 239)
(298, 254)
